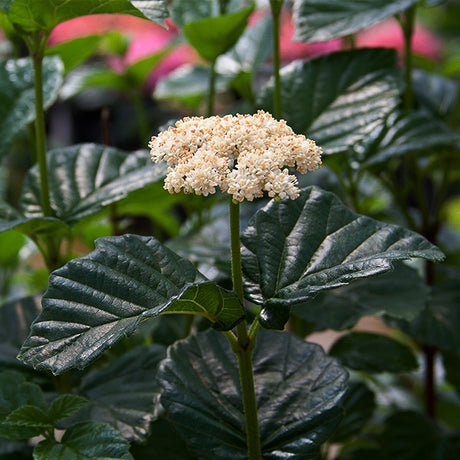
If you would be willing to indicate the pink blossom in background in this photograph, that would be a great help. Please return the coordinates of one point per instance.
(388, 34)
(290, 50)
(385, 34)
(145, 39)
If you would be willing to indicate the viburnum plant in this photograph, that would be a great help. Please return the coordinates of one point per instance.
(194, 343)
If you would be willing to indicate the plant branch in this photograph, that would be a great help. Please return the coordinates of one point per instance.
(276, 6)
(37, 51)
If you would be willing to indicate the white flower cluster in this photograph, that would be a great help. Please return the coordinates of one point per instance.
(243, 155)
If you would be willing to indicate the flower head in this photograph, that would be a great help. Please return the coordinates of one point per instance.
(243, 155)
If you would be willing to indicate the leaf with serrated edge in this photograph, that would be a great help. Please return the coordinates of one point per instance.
(17, 94)
(323, 20)
(85, 441)
(340, 98)
(84, 178)
(294, 249)
(95, 300)
(124, 393)
(297, 387)
(32, 16)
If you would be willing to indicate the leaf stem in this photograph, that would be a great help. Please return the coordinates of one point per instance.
(37, 52)
(407, 24)
(276, 6)
(211, 89)
(245, 343)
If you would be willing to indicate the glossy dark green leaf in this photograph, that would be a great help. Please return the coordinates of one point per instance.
(95, 300)
(359, 405)
(75, 52)
(17, 109)
(411, 132)
(323, 20)
(155, 10)
(340, 98)
(401, 293)
(213, 36)
(293, 249)
(16, 316)
(84, 178)
(84, 441)
(15, 392)
(43, 16)
(365, 351)
(124, 393)
(298, 389)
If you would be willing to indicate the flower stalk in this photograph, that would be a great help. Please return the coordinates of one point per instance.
(245, 343)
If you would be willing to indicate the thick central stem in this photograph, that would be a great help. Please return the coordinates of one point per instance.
(245, 344)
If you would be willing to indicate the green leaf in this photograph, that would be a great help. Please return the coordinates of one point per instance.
(365, 351)
(75, 52)
(64, 406)
(293, 249)
(297, 389)
(409, 435)
(213, 36)
(17, 94)
(15, 392)
(16, 316)
(359, 405)
(36, 226)
(401, 293)
(192, 10)
(85, 441)
(435, 93)
(451, 362)
(340, 98)
(84, 178)
(29, 416)
(124, 393)
(155, 10)
(95, 300)
(439, 322)
(323, 20)
(43, 16)
(11, 243)
(188, 85)
(409, 132)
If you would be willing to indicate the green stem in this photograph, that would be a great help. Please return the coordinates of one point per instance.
(407, 25)
(37, 53)
(244, 344)
(276, 6)
(249, 403)
(211, 89)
